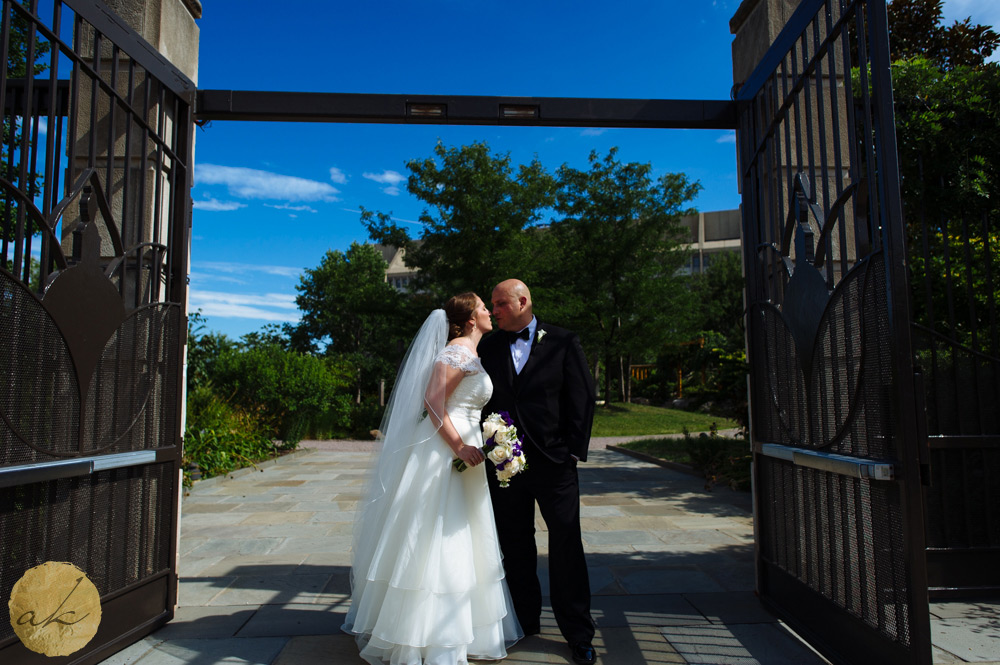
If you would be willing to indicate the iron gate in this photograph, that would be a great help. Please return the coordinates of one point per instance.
(953, 246)
(834, 422)
(94, 202)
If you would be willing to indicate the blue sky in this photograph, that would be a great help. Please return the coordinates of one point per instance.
(271, 198)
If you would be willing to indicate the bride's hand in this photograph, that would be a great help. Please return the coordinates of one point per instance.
(470, 455)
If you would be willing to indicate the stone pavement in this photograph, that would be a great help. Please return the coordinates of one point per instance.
(264, 567)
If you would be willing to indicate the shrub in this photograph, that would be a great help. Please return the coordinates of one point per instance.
(296, 391)
(722, 460)
(221, 436)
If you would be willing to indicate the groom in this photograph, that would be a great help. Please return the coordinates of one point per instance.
(540, 377)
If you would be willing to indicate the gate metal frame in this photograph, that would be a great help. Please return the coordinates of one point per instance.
(870, 203)
(98, 164)
(835, 426)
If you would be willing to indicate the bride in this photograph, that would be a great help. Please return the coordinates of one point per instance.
(427, 579)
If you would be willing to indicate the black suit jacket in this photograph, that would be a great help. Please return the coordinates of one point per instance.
(552, 399)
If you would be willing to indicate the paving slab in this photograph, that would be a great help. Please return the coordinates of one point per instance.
(333, 649)
(758, 644)
(730, 608)
(265, 573)
(649, 610)
(206, 622)
(246, 651)
(295, 619)
(665, 579)
(271, 589)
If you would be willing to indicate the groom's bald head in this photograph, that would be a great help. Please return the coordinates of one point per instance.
(512, 305)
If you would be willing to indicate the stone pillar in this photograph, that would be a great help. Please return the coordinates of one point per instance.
(169, 26)
(756, 25)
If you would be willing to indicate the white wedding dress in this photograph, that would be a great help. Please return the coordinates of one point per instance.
(431, 590)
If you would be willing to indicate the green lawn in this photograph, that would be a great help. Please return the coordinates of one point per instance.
(620, 419)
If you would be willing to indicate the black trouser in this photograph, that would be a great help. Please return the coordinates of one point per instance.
(556, 488)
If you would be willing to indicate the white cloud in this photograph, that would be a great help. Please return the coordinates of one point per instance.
(243, 306)
(593, 131)
(213, 205)
(338, 176)
(254, 184)
(198, 278)
(728, 137)
(395, 219)
(285, 206)
(386, 177)
(391, 190)
(241, 268)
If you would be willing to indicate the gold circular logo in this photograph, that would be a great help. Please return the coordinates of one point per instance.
(55, 609)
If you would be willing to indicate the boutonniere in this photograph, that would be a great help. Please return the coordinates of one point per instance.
(539, 335)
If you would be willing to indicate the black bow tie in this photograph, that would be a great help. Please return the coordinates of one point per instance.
(514, 336)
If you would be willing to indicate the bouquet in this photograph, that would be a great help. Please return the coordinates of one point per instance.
(502, 447)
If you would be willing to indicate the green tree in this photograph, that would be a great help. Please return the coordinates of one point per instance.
(721, 358)
(948, 136)
(270, 333)
(719, 295)
(203, 351)
(475, 227)
(916, 30)
(947, 113)
(616, 255)
(351, 312)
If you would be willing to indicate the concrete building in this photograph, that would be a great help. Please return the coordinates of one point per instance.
(710, 234)
(397, 273)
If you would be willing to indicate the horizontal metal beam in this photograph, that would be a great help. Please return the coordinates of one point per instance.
(463, 110)
(843, 465)
(26, 474)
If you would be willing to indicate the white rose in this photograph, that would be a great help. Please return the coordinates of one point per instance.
(490, 428)
(505, 475)
(500, 453)
(514, 465)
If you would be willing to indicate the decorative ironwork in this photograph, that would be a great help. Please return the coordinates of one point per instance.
(833, 418)
(94, 215)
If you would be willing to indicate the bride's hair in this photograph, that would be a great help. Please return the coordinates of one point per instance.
(459, 310)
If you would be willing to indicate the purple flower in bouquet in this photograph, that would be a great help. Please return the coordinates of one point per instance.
(502, 447)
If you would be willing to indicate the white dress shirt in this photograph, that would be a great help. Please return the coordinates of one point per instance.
(520, 348)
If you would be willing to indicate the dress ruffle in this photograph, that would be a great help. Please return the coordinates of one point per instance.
(432, 590)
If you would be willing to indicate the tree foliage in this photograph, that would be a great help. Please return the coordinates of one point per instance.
(947, 112)
(948, 136)
(916, 30)
(478, 223)
(615, 254)
(203, 350)
(349, 311)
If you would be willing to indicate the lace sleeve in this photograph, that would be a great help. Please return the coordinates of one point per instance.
(459, 357)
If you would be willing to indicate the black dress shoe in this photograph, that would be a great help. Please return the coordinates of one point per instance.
(583, 653)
